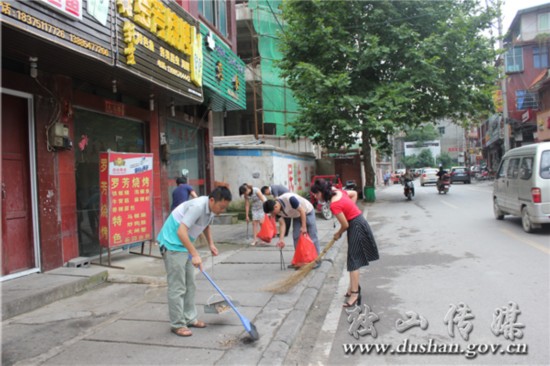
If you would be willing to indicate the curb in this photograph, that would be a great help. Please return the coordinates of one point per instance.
(285, 336)
(65, 287)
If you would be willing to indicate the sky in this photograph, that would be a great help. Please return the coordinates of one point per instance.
(511, 7)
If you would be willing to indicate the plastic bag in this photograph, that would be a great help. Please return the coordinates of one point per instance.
(305, 251)
(268, 230)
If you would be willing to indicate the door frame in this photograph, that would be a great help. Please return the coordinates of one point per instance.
(33, 184)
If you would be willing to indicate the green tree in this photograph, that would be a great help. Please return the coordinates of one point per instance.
(426, 158)
(362, 70)
(422, 133)
(445, 160)
(410, 161)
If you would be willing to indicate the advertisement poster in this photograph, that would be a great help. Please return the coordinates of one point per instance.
(126, 203)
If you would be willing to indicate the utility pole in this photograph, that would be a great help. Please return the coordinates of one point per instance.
(503, 83)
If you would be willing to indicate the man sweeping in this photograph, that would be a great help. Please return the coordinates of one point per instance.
(302, 213)
(186, 222)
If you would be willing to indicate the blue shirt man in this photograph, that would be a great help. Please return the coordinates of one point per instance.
(181, 193)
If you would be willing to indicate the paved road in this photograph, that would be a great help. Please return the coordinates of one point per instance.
(438, 251)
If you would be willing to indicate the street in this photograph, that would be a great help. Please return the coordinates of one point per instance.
(446, 265)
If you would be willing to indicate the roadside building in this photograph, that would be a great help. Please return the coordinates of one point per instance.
(84, 77)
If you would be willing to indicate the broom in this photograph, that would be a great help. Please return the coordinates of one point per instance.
(286, 284)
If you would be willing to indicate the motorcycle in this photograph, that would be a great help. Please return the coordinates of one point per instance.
(443, 184)
(409, 189)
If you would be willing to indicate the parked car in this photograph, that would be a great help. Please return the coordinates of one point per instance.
(428, 175)
(522, 186)
(460, 174)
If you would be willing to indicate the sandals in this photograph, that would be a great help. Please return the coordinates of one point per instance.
(185, 331)
(348, 294)
(355, 303)
(197, 324)
(182, 332)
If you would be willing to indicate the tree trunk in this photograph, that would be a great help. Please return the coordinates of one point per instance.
(367, 161)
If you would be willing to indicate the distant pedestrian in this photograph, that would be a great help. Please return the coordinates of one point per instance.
(362, 247)
(276, 190)
(182, 192)
(176, 239)
(253, 199)
(302, 213)
(387, 178)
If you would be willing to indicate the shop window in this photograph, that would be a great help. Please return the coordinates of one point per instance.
(186, 151)
(95, 133)
(215, 11)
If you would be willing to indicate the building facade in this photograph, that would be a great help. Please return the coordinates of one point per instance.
(84, 77)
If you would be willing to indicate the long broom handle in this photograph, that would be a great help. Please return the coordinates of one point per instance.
(326, 249)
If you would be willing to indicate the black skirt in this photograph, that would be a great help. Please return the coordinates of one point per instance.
(361, 244)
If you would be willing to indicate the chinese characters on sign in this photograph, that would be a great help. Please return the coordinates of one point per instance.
(459, 316)
(126, 193)
(161, 41)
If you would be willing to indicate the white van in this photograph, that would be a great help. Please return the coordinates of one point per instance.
(522, 185)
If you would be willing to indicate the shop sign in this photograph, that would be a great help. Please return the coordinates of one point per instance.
(80, 33)
(114, 108)
(126, 198)
(224, 74)
(497, 100)
(71, 8)
(527, 116)
(158, 40)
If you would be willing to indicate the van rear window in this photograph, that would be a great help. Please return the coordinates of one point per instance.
(545, 164)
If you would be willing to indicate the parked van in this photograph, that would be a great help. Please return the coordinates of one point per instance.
(522, 185)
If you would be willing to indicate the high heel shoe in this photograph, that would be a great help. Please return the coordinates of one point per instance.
(349, 294)
(356, 302)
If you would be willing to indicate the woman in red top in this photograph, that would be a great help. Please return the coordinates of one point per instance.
(361, 244)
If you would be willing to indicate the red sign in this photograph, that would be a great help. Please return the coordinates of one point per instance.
(72, 8)
(126, 198)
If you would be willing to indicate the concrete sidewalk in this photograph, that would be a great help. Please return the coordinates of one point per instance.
(241, 271)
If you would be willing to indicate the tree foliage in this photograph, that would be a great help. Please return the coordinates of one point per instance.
(361, 70)
(445, 160)
(422, 134)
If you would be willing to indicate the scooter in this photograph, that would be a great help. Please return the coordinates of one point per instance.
(444, 184)
(409, 189)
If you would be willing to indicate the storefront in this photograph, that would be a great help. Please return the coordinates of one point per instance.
(80, 78)
(493, 141)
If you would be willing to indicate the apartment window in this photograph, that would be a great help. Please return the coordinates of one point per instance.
(540, 57)
(215, 11)
(441, 130)
(544, 22)
(514, 59)
(526, 100)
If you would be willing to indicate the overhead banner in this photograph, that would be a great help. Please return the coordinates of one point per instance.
(126, 198)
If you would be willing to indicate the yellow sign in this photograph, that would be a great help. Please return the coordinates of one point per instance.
(196, 58)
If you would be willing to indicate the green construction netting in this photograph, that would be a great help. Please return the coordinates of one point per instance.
(279, 105)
